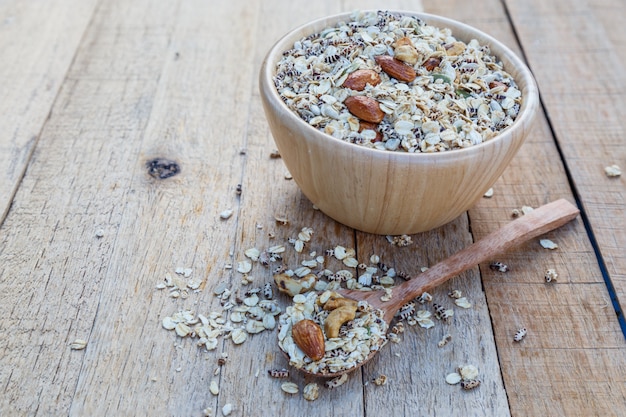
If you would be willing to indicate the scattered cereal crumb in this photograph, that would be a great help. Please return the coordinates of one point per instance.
(278, 373)
(520, 334)
(520, 212)
(613, 171)
(463, 302)
(214, 387)
(311, 391)
(444, 341)
(499, 266)
(455, 294)
(227, 409)
(551, 275)
(244, 267)
(100, 233)
(400, 241)
(468, 372)
(288, 176)
(78, 344)
(489, 193)
(226, 214)
(207, 412)
(548, 244)
(470, 384)
(289, 387)
(380, 380)
(274, 154)
(453, 378)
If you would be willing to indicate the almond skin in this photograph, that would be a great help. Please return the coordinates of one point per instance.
(396, 68)
(432, 63)
(365, 108)
(360, 78)
(495, 84)
(371, 126)
(309, 337)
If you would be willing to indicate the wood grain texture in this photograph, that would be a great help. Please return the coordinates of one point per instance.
(586, 112)
(107, 91)
(572, 325)
(38, 41)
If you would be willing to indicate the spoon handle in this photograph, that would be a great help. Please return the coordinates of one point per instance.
(531, 225)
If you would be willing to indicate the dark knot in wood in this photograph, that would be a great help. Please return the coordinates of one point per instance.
(161, 168)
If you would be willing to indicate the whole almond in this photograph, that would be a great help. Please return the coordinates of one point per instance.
(365, 108)
(360, 78)
(309, 337)
(396, 68)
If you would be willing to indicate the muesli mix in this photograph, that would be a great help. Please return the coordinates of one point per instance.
(393, 82)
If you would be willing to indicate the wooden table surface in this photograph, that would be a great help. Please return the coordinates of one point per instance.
(91, 91)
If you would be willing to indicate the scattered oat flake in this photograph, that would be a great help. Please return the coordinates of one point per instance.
(468, 372)
(489, 193)
(288, 176)
(311, 391)
(244, 267)
(100, 233)
(289, 387)
(214, 387)
(463, 302)
(226, 214)
(548, 244)
(238, 336)
(527, 209)
(78, 344)
(253, 254)
(227, 409)
(613, 171)
(453, 378)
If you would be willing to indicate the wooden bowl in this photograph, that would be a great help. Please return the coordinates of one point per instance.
(385, 192)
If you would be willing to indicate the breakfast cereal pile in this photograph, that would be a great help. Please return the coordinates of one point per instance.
(393, 82)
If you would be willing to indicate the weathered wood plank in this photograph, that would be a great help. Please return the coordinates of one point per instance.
(56, 272)
(198, 118)
(573, 319)
(179, 80)
(586, 109)
(38, 41)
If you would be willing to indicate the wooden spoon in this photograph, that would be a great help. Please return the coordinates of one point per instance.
(531, 225)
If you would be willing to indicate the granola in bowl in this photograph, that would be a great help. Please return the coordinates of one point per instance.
(393, 82)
